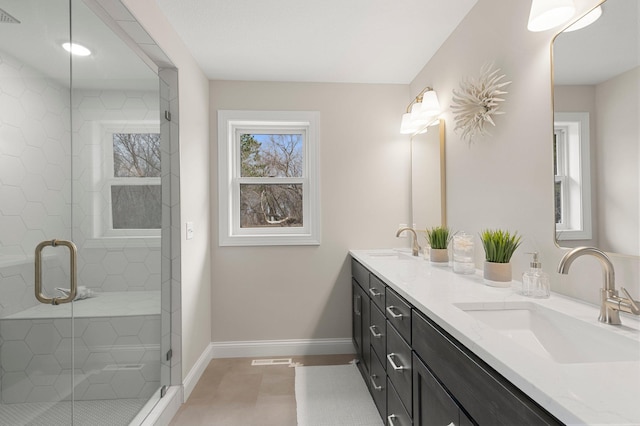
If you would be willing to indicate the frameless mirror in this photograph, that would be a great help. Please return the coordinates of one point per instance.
(596, 133)
(428, 195)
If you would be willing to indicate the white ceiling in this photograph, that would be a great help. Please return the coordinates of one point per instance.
(361, 41)
(44, 26)
(347, 41)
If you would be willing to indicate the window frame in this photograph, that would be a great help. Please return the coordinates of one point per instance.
(231, 124)
(104, 229)
(571, 134)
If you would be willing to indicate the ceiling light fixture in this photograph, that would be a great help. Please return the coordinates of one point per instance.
(76, 49)
(547, 14)
(586, 20)
(421, 112)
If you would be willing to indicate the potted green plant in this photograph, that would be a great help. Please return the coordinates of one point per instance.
(438, 239)
(499, 246)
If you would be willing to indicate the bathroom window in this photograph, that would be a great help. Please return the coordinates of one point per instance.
(268, 178)
(131, 190)
(572, 176)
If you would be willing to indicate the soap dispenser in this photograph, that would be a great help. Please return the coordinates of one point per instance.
(535, 282)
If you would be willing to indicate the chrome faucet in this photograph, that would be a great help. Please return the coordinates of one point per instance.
(415, 247)
(610, 303)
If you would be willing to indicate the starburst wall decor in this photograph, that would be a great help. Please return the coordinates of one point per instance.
(477, 101)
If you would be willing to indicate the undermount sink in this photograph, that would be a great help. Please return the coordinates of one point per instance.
(554, 335)
(391, 253)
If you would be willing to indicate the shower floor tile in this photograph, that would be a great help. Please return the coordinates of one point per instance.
(112, 412)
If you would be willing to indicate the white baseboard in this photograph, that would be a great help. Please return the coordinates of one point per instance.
(261, 348)
(196, 372)
(296, 347)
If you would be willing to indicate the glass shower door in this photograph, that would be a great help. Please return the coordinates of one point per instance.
(79, 162)
(36, 340)
(117, 155)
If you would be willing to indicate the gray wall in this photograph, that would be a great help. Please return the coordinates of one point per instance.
(274, 293)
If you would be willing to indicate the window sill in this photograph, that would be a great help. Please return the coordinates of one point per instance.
(122, 242)
(572, 234)
(269, 240)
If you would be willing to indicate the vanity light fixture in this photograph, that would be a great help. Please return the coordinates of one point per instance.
(547, 14)
(76, 49)
(421, 112)
(586, 20)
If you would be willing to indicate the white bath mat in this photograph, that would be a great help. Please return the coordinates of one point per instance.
(334, 395)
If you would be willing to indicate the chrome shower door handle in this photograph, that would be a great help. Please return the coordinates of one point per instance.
(73, 265)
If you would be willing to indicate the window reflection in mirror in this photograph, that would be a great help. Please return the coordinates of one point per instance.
(428, 194)
(597, 74)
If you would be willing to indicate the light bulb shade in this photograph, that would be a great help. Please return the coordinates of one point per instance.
(407, 126)
(546, 14)
(586, 20)
(418, 116)
(430, 104)
(422, 113)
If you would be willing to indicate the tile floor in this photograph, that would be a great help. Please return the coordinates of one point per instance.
(232, 392)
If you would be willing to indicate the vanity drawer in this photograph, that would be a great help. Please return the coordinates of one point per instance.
(488, 397)
(378, 385)
(432, 404)
(399, 366)
(377, 291)
(378, 330)
(360, 274)
(398, 313)
(396, 413)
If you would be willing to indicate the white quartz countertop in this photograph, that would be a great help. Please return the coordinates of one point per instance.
(584, 392)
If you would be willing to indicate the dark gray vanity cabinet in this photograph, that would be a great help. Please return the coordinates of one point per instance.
(360, 324)
(397, 414)
(398, 357)
(382, 345)
(377, 331)
(420, 375)
(377, 291)
(477, 389)
(377, 382)
(432, 404)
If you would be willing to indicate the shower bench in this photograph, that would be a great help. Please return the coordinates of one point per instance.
(114, 339)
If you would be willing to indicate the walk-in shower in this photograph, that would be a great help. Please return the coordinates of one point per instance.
(85, 202)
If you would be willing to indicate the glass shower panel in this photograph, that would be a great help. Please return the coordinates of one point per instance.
(36, 340)
(116, 174)
(71, 363)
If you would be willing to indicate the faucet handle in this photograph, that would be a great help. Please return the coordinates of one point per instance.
(632, 302)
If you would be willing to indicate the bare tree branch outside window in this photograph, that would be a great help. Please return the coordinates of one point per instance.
(136, 155)
(271, 204)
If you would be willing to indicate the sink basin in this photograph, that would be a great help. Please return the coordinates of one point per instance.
(554, 335)
(391, 254)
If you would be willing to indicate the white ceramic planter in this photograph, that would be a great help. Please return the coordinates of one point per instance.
(497, 274)
(439, 257)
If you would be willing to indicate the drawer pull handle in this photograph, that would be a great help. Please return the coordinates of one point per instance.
(373, 383)
(374, 292)
(395, 366)
(356, 304)
(392, 419)
(394, 314)
(374, 333)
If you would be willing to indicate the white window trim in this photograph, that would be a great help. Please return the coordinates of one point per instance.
(230, 233)
(576, 161)
(103, 233)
